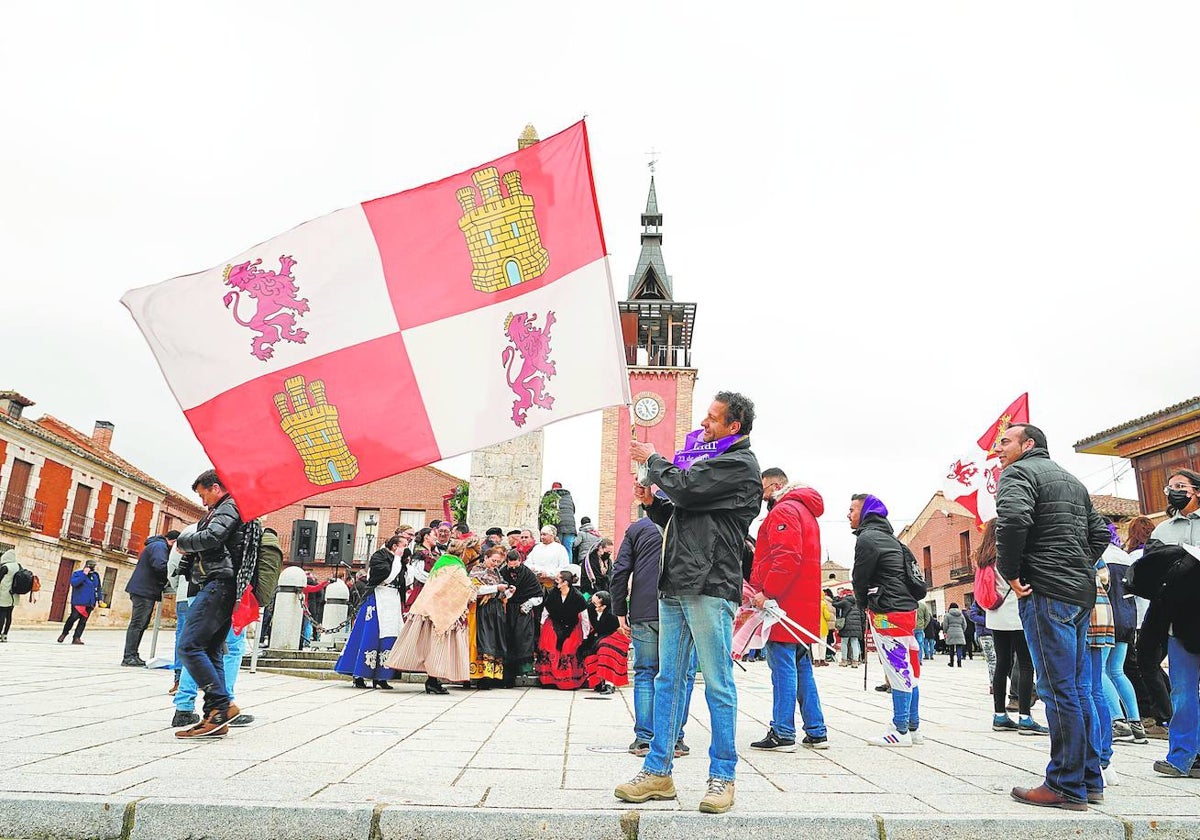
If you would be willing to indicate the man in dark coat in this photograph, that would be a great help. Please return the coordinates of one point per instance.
(635, 604)
(705, 510)
(1048, 539)
(145, 589)
(210, 554)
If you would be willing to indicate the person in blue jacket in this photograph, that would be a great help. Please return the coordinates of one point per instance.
(145, 589)
(86, 594)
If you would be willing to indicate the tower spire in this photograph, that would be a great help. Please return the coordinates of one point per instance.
(650, 280)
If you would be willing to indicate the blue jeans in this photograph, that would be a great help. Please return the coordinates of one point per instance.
(920, 635)
(1057, 635)
(180, 620)
(906, 715)
(1184, 729)
(792, 680)
(231, 662)
(851, 649)
(700, 627)
(645, 669)
(1101, 716)
(568, 542)
(1118, 689)
(929, 646)
(202, 646)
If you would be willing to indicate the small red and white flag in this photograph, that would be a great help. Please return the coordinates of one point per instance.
(973, 479)
(397, 332)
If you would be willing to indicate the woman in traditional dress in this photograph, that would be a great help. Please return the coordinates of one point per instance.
(434, 637)
(423, 558)
(605, 652)
(524, 593)
(378, 620)
(558, 661)
(491, 593)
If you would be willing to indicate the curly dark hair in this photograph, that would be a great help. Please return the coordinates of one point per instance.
(738, 408)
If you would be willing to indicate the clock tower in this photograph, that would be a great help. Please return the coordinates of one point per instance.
(657, 332)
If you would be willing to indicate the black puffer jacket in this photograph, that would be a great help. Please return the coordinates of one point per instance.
(705, 519)
(1046, 531)
(852, 616)
(216, 544)
(566, 513)
(1169, 577)
(878, 574)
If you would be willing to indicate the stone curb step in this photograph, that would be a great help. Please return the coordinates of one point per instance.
(60, 817)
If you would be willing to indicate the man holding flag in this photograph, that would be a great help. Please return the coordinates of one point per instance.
(787, 570)
(710, 494)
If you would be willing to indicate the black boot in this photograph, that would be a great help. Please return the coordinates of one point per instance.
(432, 686)
(381, 684)
(359, 682)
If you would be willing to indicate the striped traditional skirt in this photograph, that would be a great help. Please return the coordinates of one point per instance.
(610, 662)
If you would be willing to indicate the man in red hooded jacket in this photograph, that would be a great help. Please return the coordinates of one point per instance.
(787, 570)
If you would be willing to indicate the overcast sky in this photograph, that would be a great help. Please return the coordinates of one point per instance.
(894, 218)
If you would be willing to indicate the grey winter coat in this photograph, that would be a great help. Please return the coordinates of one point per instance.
(954, 624)
(9, 562)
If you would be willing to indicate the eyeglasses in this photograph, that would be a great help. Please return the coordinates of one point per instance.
(1184, 487)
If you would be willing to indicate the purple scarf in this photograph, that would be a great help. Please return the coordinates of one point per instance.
(695, 449)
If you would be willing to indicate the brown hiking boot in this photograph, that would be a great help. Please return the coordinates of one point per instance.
(719, 798)
(645, 786)
(214, 725)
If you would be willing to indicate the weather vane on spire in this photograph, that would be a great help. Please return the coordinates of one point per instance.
(653, 155)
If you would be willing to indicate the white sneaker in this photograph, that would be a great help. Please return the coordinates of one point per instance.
(892, 738)
(1111, 779)
(917, 738)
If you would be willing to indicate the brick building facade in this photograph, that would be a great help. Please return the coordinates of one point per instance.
(66, 497)
(414, 497)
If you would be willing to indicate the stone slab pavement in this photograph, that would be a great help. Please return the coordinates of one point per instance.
(86, 751)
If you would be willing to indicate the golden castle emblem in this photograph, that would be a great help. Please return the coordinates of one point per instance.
(312, 424)
(501, 231)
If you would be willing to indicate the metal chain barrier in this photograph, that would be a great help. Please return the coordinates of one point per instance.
(316, 626)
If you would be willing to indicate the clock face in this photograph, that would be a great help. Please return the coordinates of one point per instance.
(647, 409)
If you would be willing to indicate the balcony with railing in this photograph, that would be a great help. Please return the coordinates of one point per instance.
(23, 511)
(84, 529)
(961, 568)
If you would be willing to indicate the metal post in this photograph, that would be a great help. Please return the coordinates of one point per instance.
(157, 624)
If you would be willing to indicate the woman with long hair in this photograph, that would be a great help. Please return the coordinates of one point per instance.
(1008, 637)
(557, 661)
(434, 638)
(1144, 668)
(378, 620)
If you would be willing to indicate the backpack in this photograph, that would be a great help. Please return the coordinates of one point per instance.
(22, 581)
(986, 594)
(913, 579)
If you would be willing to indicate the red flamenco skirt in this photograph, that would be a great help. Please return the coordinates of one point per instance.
(610, 662)
(559, 668)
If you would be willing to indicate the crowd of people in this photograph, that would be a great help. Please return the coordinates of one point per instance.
(1060, 603)
(478, 612)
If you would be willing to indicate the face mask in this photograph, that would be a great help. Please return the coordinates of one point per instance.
(1178, 499)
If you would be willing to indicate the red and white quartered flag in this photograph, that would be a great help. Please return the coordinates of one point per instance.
(397, 332)
(973, 479)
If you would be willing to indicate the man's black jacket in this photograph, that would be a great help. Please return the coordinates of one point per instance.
(705, 518)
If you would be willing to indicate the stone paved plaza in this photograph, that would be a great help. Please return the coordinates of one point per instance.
(86, 751)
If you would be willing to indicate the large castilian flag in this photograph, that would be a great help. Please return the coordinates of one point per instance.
(397, 332)
(973, 479)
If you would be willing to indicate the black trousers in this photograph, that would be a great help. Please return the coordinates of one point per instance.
(139, 620)
(74, 617)
(5, 620)
(1010, 645)
(1158, 687)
